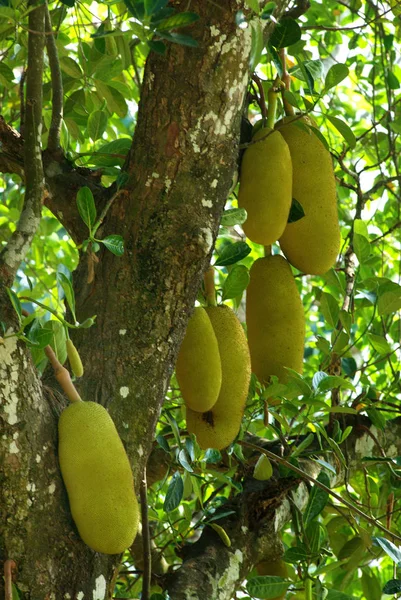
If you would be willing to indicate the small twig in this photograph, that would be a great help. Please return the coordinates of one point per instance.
(286, 79)
(9, 568)
(62, 376)
(147, 557)
(105, 211)
(57, 86)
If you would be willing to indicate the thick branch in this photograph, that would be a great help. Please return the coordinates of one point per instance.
(20, 241)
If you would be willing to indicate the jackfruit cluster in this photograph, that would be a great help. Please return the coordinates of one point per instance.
(290, 162)
(98, 478)
(217, 425)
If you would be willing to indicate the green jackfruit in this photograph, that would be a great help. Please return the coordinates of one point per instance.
(98, 478)
(218, 427)
(198, 367)
(266, 187)
(275, 319)
(312, 243)
(74, 359)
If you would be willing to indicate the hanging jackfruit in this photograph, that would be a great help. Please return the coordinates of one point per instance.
(198, 367)
(98, 478)
(218, 427)
(312, 243)
(275, 319)
(266, 187)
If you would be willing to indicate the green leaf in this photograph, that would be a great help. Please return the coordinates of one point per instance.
(163, 443)
(334, 381)
(393, 551)
(152, 6)
(318, 498)
(113, 153)
(66, 285)
(343, 129)
(174, 493)
(232, 253)
(295, 555)
(267, 587)
(361, 247)
(318, 378)
(330, 309)
(97, 124)
(393, 586)
(58, 339)
(179, 38)
(38, 335)
(257, 44)
(183, 460)
(114, 243)
(233, 216)
(286, 33)
(253, 5)
(71, 67)
(86, 206)
(335, 74)
(114, 99)
(389, 302)
(392, 81)
(6, 74)
(236, 282)
(361, 228)
(15, 302)
(296, 211)
(178, 20)
(379, 343)
(268, 10)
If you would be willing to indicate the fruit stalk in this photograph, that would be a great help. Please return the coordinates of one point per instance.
(210, 292)
(62, 376)
(271, 107)
(286, 79)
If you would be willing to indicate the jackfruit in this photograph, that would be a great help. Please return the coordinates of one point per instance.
(198, 367)
(312, 243)
(74, 359)
(218, 427)
(273, 568)
(275, 319)
(263, 469)
(266, 187)
(98, 478)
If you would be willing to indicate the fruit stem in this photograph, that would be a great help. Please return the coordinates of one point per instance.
(286, 79)
(268, 250)
(308, 589)
(210, 292)
(62, 376)
(271, 107)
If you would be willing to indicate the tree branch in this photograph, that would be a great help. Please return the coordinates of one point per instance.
(53, 142)
(20, 241)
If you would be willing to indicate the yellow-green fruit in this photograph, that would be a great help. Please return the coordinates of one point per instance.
(266, 187)
(74, 358)
(263, 469)
(275, 319)
(198, 367)
(98, 478)
(218, 427)
(312, 243)
(276, 568)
